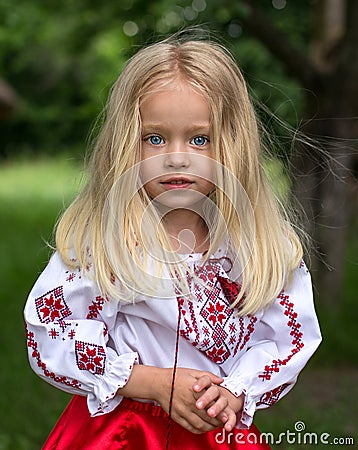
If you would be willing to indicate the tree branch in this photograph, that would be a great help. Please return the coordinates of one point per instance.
(258, 24)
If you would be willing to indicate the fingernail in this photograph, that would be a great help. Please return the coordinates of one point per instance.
(199, 404)
(196, 387)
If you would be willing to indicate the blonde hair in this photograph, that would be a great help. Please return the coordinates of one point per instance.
(106, 218)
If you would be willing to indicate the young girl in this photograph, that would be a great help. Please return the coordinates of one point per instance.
(177, 302)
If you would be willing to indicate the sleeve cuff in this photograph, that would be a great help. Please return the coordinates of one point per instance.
(244, 418)
(104, 398)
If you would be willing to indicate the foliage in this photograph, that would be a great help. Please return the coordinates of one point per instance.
(62, 58)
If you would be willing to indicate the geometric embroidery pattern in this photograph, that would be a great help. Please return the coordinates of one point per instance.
(70, 276)
(95, 308)
(31, 343)
(53, 333)
(90, 357)
(295, 333)
(271, 397)
(215, 312)
(52, 306)
(209, 323)
(231, 290)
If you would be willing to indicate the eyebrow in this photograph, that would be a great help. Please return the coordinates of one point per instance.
(193, 127)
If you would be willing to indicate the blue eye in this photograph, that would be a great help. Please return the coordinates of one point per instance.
(155, 139)
(200, 141)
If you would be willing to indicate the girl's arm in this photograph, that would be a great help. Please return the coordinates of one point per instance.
(68, 324)
(283, 341)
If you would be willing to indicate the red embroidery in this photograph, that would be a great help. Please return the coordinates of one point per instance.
(95, 308)
(242, 339)
(53, 333)
(231, 290)
(217, 337)
(71, 276)
(52, 306)
(271, 397)
(295, 333)
(216, 312)
(90, 357)
(31, 343)
(218, 355)
(189, 327)
(71, 334)
(63, 325)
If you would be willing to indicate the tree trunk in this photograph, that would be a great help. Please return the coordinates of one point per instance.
(8, 100)
(333, 119)
(322, 188)
(323, 165)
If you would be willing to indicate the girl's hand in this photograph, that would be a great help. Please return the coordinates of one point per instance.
(184, 409)
(218, 402)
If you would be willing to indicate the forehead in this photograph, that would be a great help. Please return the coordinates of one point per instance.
(177, 83)
(176, 99)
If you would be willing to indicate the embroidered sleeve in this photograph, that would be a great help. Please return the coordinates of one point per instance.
(284, 339)
(68, 328)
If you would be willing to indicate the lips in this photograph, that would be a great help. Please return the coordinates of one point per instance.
(176, 183)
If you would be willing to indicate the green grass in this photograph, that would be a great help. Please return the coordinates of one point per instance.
(32, 193)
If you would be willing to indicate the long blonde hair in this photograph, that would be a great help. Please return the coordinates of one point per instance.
(106, 218)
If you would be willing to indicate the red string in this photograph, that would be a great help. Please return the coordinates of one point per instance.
(173, 377)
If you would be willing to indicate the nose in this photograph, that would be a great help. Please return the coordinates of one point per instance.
(176, 158)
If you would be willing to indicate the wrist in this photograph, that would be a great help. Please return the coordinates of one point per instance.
(161, 386)
(144, 382)
(236, 402)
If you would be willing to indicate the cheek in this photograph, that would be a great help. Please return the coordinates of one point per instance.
(150, 190)
(207, 188)
(148, 170)
(206, 169)
(151, 167)
(211, 176)
(149, 173)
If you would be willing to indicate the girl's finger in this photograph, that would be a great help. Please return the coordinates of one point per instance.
(201, 418)
(209, 396)
(231, 421)
(215, 378)
(201, 383)
(197, 424)
(218, 407)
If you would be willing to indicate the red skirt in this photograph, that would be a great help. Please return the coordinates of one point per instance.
(135, 425)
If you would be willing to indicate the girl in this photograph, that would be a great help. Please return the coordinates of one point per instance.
(177, 302)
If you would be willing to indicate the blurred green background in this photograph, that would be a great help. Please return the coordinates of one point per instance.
(57, 63)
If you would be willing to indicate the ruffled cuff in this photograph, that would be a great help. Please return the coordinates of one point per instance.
(244, 417)
(104, 398)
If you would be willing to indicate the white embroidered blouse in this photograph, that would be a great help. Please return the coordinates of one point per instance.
(84, 344)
